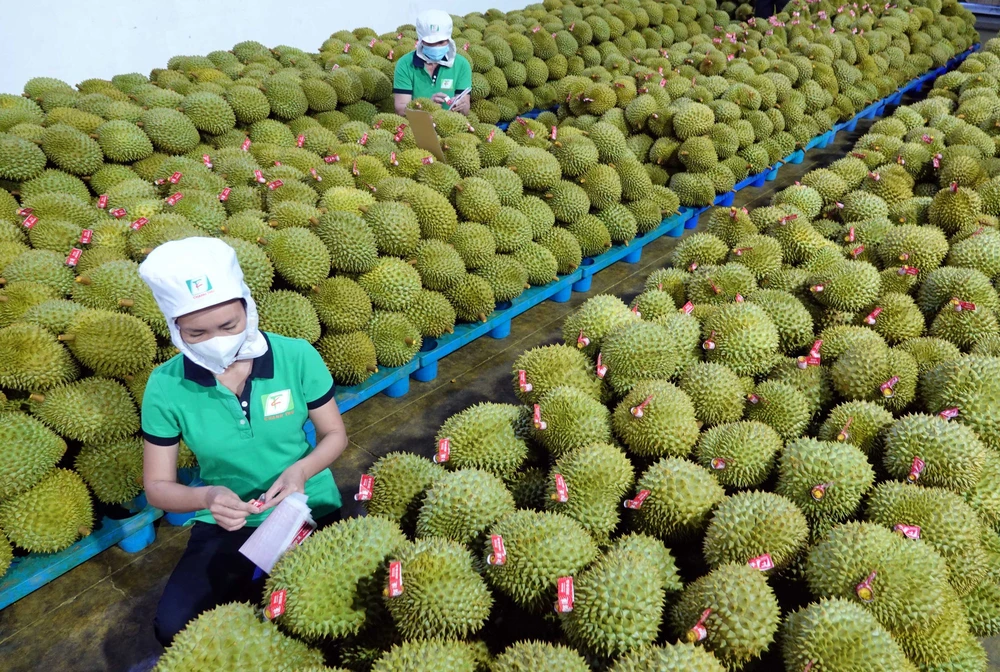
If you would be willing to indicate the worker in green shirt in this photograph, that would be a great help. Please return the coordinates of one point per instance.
(239, 398)
(435, 69)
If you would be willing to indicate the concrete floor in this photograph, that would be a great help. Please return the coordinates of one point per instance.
(98, 616)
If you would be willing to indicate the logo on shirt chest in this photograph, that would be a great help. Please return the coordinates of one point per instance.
(447, 83)
(277, 404)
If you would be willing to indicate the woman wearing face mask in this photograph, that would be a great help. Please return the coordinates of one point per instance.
(435, 70)
(239, 398)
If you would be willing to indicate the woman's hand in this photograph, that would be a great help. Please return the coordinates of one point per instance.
(440, 98)
(292, 479)
(229, 511)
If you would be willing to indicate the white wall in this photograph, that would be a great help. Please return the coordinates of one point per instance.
(74, 40)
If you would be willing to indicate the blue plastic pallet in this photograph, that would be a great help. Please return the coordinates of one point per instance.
(31, 572)
(395, 382)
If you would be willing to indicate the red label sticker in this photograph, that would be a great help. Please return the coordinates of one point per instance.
(363, 140)
(366, 488)
(873, 316)
(160, 182)
(24, 212)
(739, 298)
(354, 168)
(908, 531)
(562, 491)
(537, 418)
(138, 224)
(804, 362)
(30, 221)
(909, 270)
(372, 42)
(602, 370)
(118, 213)
(259, 176)
(887, 388)
(277, 163)
(86, 236)
(427, 160)
(687, 308)
(443, 451)
(499, 554)
(175, 198)
(857, 250)
(555, 132)
(395, 578)
(333, 158)
(316, 176)
(698, 631)
(709, 343)
(347, 47)
(207, 160)
(276, 607)
(391, 52)
(400, 132)
(949, 413)
(636, 502)
(818, 492)
(864, 590)
(274, 184)
(302, 534)
(489, 138)
(246, 145)
(74, 256)
(224, 194)
(762, 562)
(582, 341)
(175, 178)
(392, 159)
(522, 381)
(565, 595)
(300, 140)
(719, 463)
(102, 201)
(963, 305)
(916, 468)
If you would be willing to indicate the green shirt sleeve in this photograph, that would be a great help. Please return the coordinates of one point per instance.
(402, 81)
(463, 75)
(317, 383)
(159, 422)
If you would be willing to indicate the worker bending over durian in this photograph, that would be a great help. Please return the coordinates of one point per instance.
(239, 398)
(435, 69)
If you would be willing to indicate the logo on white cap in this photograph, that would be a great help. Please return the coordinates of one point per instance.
(199, 287)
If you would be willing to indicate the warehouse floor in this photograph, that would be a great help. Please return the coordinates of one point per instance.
(99, 615)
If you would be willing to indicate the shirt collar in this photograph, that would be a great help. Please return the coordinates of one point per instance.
(263, 367)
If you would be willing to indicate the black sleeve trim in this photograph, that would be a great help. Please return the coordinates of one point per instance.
(161, 441)
(313, 405)
(408, 92)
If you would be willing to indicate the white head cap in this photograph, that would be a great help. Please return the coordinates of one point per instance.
(433, 25)
(195, 273)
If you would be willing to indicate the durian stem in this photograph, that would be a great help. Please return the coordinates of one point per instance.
(482, 317)
(66, 337)
(37, 398)
(371, 368)
(408, 340)
(82, 279)
(126, 303)
(4, 299)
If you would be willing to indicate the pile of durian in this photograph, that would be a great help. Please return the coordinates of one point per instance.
(782, 454)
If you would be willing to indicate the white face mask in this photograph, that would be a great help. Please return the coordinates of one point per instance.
(219, 352)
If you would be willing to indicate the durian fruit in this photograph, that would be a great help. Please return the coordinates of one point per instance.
(637, 352)
(110, 344)
(982, 497)
(32, 358)
(31, 450)
(596, 478)
(742, 614)
(112, 470)
(825, 479)
(790, 317)
(859, 423)
(739, 454)
(594, 320)
(392, 284)
(681, 498)
(741, 336)
(969, 384)
(679, 657)
(400, 481)
(7, 556)
(298, 255)
(396, 339)
(618, 601)
(538, 655)
(341, 305)
(232, 636)
(946, 523)
(51, 515)
(472, 298)
(413, 656)
(355, 550)
(553, 366)
(656, 419)
(715, 391)
(932, 451)
(484, 437)
(442, 596)
(909, 590)
(836, 634)
(87, 410)
(982, 604)
(350, 357)
(567, 418)
(540, 547)
(431, 314)
(749, 525)
(460, 505)
(781, 406)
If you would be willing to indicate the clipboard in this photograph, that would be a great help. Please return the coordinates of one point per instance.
(423, 132)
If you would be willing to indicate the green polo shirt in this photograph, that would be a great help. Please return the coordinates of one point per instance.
(244, 442)
(411, 77)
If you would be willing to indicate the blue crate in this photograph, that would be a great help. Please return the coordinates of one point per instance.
(798, 156)
(726, 198)
(31, 572)
(393, 381)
